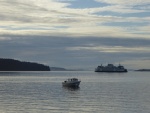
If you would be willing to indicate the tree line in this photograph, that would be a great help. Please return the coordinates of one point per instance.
(16, 65)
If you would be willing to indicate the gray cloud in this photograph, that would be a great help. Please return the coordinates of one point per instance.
(44, 18)
(54, 50)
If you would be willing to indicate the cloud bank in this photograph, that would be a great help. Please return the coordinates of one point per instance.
(76, 33)
(54, 17)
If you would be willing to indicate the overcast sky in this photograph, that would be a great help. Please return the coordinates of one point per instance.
(76, 33)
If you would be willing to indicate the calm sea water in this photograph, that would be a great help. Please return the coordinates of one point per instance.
(42, 92)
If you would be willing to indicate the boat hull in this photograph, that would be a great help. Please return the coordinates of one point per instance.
(71, 84)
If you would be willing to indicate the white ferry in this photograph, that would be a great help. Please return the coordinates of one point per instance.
(110, 68)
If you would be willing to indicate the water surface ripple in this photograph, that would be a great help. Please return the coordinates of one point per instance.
(42, 92)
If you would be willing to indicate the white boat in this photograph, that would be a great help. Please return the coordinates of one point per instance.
(71, 82)
(110, 68)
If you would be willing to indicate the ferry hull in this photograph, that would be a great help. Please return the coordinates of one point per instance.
(114, 71)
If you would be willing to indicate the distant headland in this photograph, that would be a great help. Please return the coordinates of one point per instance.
(143, 70)
(58, 69)
(16, 65)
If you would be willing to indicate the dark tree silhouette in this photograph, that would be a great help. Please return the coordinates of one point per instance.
(16, 65)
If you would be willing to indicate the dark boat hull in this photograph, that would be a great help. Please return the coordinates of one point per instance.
(71, 84)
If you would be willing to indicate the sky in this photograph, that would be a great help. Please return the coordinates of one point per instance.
(76, 34)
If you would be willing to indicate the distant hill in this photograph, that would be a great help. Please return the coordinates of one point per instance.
(64, 69)
(58, 69)
(16, 65)
(143, 70)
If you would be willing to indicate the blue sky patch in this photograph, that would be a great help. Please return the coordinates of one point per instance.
(109, 13)
(86, 4)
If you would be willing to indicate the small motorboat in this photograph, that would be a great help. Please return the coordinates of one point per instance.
(71, 82)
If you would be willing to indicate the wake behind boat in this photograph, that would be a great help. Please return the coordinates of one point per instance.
(71, 82)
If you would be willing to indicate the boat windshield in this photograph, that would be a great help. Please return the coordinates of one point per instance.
(73, 79)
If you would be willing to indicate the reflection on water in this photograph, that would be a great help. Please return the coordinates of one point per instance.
(9, 73)
(75, 88)
(42, 92)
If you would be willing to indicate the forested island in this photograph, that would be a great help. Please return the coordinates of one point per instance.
(16, 65)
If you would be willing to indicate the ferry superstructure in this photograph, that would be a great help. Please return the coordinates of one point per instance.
(110, 68)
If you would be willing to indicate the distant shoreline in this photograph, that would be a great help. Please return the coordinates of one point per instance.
(143, 70)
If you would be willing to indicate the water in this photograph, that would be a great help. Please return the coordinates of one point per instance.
(42, 92)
